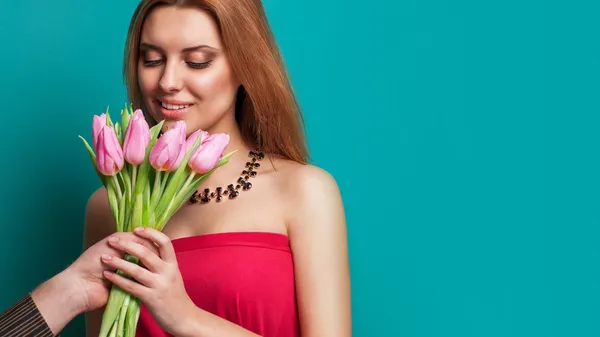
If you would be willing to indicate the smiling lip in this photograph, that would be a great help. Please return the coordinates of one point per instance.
(173, 109)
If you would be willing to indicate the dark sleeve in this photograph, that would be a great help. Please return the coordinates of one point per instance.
(23, 319)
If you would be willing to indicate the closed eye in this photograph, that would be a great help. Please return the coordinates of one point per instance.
(197, 65)
(151, 63)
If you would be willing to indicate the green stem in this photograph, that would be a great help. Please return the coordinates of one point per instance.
(113, 331)
(133, 313)
(118, 187)
(185, 186)
(164, 181)
(165, 216)
(133, 178)
(156, 191)
(136, 218)
(122, 314)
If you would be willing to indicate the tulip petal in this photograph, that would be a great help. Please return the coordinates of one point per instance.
(207, 155)
(170, 149)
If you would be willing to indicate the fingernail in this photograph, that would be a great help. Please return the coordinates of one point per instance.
(139, 229)
(108, 273)
(113, 239)
(106, 257)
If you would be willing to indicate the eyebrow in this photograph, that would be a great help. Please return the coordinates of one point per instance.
(146, 45)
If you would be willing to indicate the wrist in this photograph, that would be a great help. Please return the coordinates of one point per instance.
(191, 324)
(201, 323)
(58, 300)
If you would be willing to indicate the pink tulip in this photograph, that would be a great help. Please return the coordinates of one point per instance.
(97, 125)
(193, 137)
(137, 138)
(169, 150)
(109, 153)
(207, 155)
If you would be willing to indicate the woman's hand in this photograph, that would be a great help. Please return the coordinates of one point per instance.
(159, 285)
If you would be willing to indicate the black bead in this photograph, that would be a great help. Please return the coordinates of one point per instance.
(253, 173)
(219, 189)
(206, 190)
(253, 160)
(225, 192)
(248, 164)
(238, 186)
(261, 155)
(212, 195)
(248, 186)
(252, 153)
(193, 201)
(233, 194)
(244, 172)
(205, 200)
(219, 198)
(239, 179)
(256, 165)
(246, 177)
(230, 186)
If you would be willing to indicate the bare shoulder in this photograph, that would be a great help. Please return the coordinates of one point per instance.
(99, 222)
(307, 182)
(313, 197)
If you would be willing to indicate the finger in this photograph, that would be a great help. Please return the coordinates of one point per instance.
(165, 247)
(142, 275)
(136, 289)
(132, 237)
(145, 255)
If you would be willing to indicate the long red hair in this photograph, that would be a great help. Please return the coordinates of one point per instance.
(267, 110)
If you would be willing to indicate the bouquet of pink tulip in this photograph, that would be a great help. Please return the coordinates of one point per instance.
(148, 178)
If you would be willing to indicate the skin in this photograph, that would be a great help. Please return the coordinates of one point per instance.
(81, 287)
(301, 201)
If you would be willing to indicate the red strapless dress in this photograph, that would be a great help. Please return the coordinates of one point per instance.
(244, 277)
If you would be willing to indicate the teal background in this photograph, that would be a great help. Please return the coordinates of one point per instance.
(464, 136)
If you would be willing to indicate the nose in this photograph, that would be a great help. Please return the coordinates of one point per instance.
(171, 80)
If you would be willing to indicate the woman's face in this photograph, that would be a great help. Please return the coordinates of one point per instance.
(183, 72)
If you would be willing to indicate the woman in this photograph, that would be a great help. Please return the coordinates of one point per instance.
(261, 253)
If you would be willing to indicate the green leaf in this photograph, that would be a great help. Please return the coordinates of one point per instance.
(119, 133)
(226, 157)
(183, 195)
(137, 212)
(126, 175)
(93, 159)
(175, 182)
(178, 202)
(125, 117)
(155, 130)
(109, 121)
(175, 197)
(156, 190)
(114, 203)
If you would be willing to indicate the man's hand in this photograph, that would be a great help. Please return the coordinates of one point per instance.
(81, 287)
